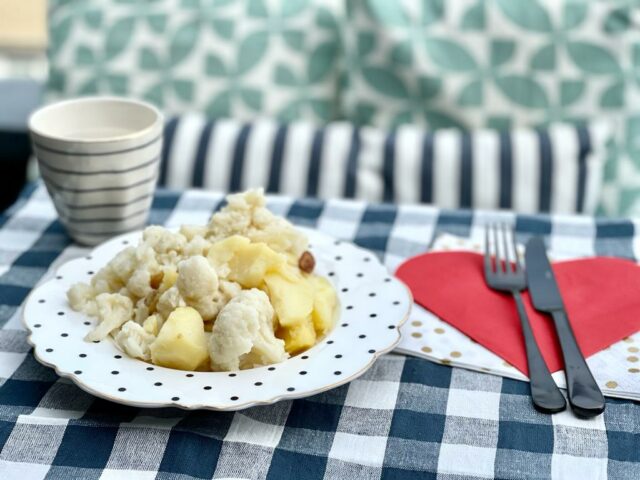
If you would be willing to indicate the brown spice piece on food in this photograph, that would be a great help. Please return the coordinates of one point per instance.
(156, 280)
(307, 263)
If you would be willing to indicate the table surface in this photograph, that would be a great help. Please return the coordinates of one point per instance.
(405, 418)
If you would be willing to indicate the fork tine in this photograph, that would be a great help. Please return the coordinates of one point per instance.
(505, 243)
(488, 267)
(517, 262)
(498, 253)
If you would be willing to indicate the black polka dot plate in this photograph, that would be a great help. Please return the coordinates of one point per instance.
(372, 307)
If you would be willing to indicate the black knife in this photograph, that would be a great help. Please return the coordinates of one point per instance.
(584, 395)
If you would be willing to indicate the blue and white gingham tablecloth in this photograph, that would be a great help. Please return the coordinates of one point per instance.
(406, 418)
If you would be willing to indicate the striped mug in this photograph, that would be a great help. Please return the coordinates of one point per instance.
(98, 157)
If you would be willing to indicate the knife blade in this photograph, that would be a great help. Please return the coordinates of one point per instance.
(544, 291)
(584, 394)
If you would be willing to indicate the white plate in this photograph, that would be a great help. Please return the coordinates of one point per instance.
(373, 305)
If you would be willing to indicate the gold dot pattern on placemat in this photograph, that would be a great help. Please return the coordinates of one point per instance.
(611, 384)
(445, 361)
(439, 330)
(416, 335)
(633, 349)
(426, 349)
(634, 370)
(628, 339)
(485, 369)
(632, 358)
(416, 323)
(455, 354)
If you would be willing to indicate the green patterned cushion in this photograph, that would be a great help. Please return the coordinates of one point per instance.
(224, 57)
(500, 63)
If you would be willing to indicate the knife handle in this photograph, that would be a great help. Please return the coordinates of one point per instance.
(585, 396)
(545, 394)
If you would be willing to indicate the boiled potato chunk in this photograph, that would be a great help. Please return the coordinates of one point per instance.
(169, 278)
(244, 262)
(298, 337)
(292, 301)
(221, 253)
(251, 263)
(324, 304)
(291, 273)
(182, 342)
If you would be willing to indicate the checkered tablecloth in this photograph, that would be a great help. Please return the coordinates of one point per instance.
(405, 418)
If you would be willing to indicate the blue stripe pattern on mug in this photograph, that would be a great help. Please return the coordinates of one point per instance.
(100, 166)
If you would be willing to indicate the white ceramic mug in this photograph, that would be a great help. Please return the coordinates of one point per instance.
(99, 159)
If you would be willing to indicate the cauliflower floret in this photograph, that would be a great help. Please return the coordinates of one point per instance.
(82, 298)
(114, 275)
(135, 340)
(126, 293)
(169, 258)
(226, 292)
(166, 246)
(245, 214)
(197, 246)
(191, 231)
(196, 278)
(130, 268)
(201, 288)
(113, 310)
(169, 301)
(163, 240)
(123, 264)
(229, 290)
(105, 281)
(152, 324)
(139, 283)
(242, 336)
(198, 285)
(146, 257)
(141, 311)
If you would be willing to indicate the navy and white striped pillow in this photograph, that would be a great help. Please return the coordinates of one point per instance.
(557, 169)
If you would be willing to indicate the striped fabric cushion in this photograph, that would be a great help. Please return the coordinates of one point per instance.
(557, 169)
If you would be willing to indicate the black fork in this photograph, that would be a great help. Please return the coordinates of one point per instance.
(503, 271)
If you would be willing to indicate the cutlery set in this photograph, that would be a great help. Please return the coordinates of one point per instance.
(504, 272)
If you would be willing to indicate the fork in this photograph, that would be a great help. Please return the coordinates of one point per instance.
(504, 272)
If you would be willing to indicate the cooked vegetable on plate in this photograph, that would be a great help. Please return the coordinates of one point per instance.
(237, 293)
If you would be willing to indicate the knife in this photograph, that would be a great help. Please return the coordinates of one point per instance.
(584, 395)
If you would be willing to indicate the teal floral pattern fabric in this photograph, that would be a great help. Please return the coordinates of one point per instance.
(227, 58)
(500, 63)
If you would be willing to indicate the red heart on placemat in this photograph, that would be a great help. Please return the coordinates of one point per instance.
(601, 295)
